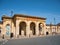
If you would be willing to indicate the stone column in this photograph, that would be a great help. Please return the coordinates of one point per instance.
(28, 29)
(37, 29)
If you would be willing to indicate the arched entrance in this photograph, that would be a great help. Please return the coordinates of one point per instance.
(32, 28)
(22, 27)
(40, 28)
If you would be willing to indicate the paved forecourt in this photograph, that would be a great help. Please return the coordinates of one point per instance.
(47, 40)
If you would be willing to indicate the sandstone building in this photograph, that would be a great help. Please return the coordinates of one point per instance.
(22, 25)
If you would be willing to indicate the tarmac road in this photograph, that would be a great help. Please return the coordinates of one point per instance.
(47, 40)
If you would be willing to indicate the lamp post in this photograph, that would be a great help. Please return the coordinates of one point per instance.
(54, 25)
(51, 27)
(11, 35)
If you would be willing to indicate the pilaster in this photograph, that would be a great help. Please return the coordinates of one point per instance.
(37, 29)
(28, 29)
(17, 28)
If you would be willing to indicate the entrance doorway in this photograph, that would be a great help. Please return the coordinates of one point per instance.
(40, 28)
(32, 28)
(22, 27)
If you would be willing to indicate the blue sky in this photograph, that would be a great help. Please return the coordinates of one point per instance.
(49, 9)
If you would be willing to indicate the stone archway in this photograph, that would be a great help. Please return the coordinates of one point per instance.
(22, 27)
(32, 28)
(40, 28)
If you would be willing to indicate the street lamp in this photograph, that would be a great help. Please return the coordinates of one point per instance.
(54, 26)
(11, 35)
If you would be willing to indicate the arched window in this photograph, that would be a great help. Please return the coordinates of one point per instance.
(8, 29)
